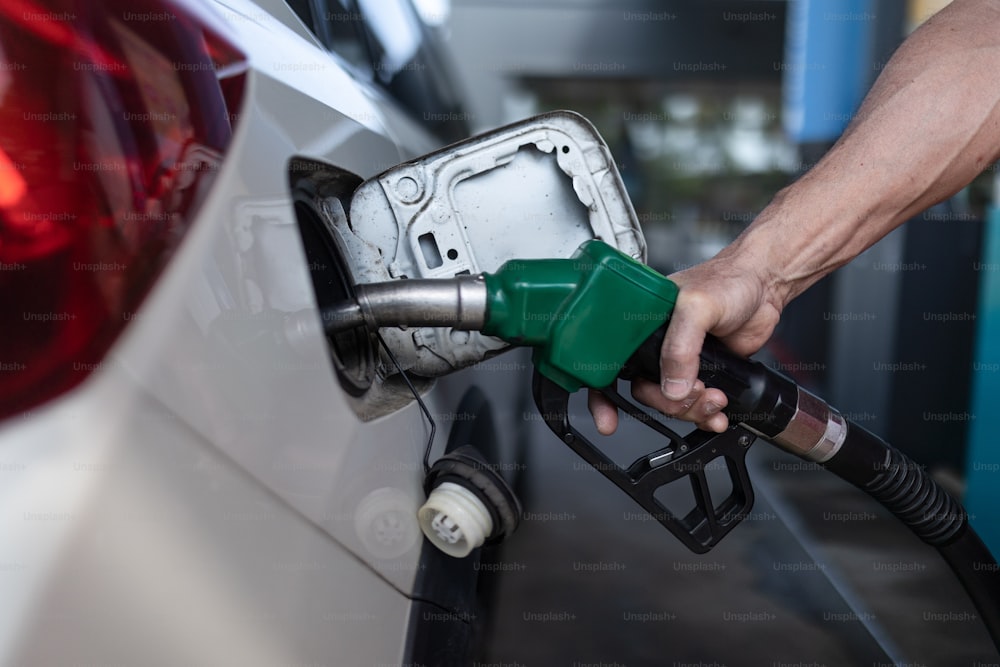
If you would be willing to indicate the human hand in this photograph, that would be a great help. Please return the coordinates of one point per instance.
(729, 296)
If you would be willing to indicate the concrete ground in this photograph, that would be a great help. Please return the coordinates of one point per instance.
(817, 575)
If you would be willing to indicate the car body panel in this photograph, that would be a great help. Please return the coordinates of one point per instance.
(210, 494)
(157, 550)
(211, 344)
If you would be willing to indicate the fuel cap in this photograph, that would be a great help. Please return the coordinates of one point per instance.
(468, 504)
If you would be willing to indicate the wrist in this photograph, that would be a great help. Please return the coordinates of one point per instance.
(760, 255)
(810, 229)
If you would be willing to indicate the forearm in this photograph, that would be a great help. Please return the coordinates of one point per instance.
(929, 125)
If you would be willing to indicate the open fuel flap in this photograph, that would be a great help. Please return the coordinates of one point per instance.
(534, 189)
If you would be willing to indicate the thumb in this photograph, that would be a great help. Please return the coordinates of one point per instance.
(679, 355)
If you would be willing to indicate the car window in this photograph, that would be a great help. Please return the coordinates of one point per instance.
(338, 26)
(386, 41)
(409, 65)
(303, 8)
(343, 33)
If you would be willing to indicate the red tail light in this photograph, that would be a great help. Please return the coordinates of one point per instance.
(114, 117)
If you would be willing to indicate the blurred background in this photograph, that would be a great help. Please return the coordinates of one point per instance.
(710, 107)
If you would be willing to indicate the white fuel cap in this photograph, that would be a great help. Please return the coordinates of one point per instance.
(454, 519)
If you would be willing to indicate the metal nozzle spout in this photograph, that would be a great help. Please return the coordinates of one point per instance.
(458, 302)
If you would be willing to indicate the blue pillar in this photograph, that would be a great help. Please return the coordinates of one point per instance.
(828, 66)
(982, 498)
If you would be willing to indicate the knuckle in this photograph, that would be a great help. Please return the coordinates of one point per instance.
(696, 301)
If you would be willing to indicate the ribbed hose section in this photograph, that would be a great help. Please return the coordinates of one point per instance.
(906, 489)
(901, 485)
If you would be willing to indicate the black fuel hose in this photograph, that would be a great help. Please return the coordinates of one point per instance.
(905, 488)
(975, 567)
(775, 408)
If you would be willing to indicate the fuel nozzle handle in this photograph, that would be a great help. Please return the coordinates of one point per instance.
(760, 399)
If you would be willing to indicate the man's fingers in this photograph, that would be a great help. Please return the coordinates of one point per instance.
(702, 406)
(604, 412)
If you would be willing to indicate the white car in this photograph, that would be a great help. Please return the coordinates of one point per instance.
(186, 476)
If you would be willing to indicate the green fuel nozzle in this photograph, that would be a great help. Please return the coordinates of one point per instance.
(584, 316)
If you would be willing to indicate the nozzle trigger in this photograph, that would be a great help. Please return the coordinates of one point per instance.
(682, 457)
